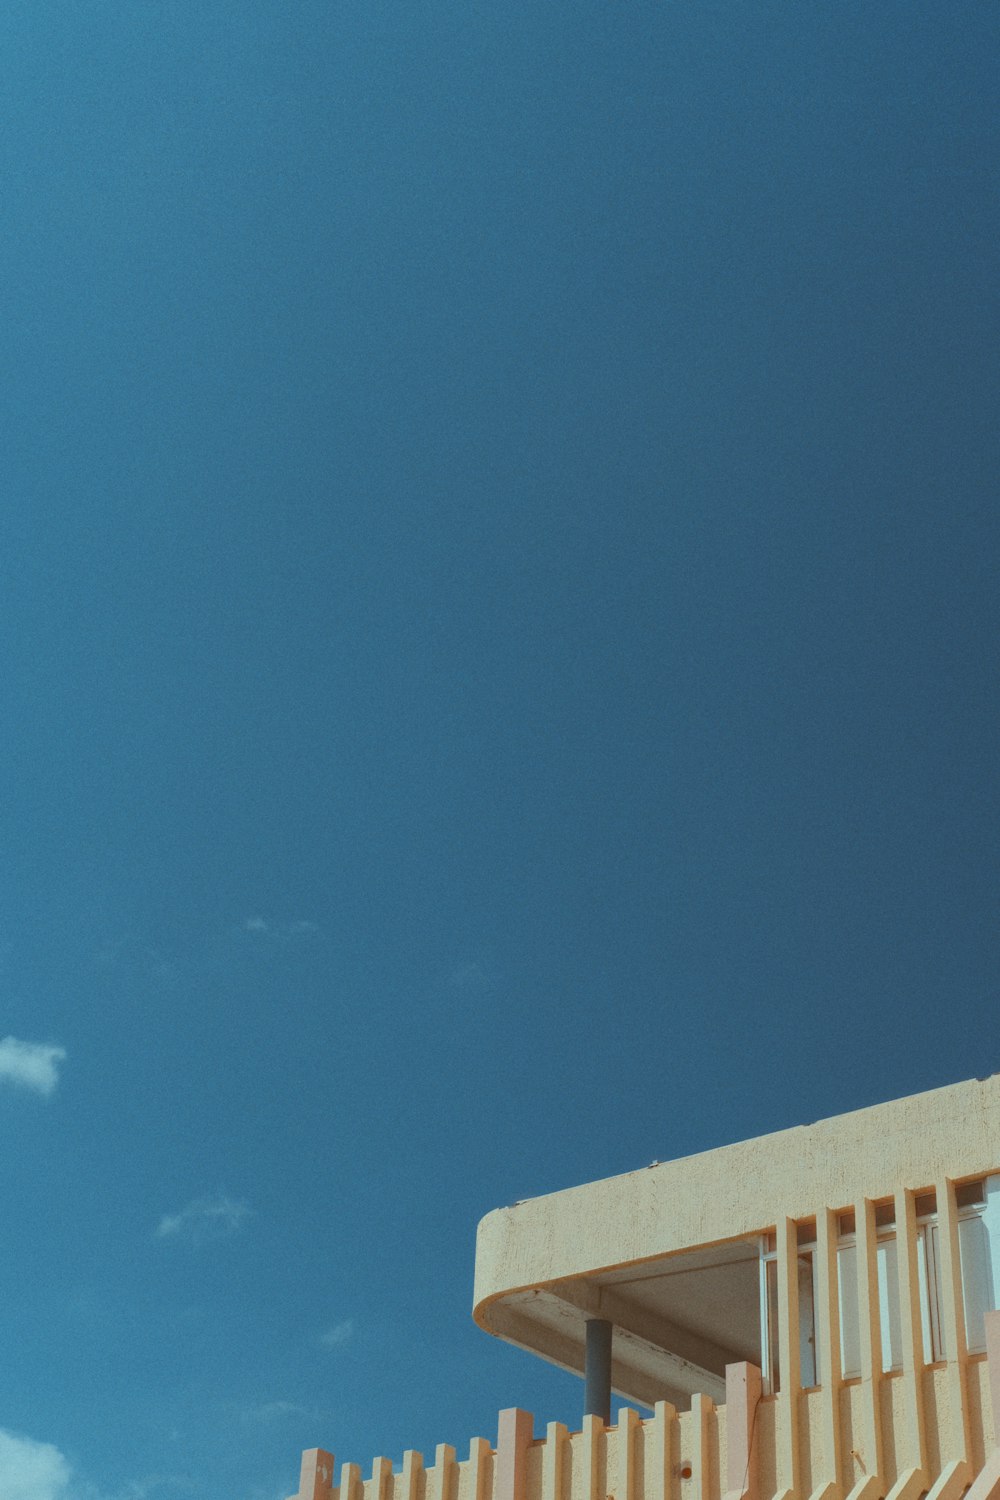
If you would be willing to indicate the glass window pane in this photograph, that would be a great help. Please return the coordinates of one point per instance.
(888, 1305)
(925, 1320)
(772, 1324)
(807, 1322)
(991, 1218)
(932, 1243)
(850, 1332)
(977, 1279)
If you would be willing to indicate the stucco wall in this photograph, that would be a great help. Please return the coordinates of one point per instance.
(736, 1190)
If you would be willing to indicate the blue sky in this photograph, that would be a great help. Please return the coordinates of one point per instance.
(499, 578)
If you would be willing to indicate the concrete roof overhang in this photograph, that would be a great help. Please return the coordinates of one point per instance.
(669, 1254)
(678, 1322)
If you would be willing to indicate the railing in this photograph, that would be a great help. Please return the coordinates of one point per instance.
(902, 1436)
(597, 1463)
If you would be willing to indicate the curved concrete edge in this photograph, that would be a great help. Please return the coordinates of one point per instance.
(735, 1191)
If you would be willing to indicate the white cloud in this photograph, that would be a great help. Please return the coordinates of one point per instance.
(338, 1334)
(30, 1064)
(272, 1409)
(280, 930)
(204, 1219)
(30, 1470)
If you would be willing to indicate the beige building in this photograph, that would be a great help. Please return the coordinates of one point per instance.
(809, 1315)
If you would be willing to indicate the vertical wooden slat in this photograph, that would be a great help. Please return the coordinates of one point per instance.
(554, 1460)
(591, 1438)
(869, 1437)
(628, 1469)
(315, 1475)
(381, 1479)
(790, 1373)
(956, 1467)
(702, 1409)
(659, 1451)
(828, 1358)
(953, 1315)
(441, 1479)
(515, 1430)
(743, 1388)
(993, 1364)
(351, 1484)
(912, 1338)
(444, 1473)
(480, 1469)
(413, 1464)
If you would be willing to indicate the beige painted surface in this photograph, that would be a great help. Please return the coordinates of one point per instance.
(669, 1456)
(738, 1190)
(669, 1254)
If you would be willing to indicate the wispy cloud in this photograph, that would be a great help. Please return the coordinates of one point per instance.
(266, 1412)
(30, 1065)
(338, 1334)
(281, 930)
(270, 1411)
(30, 1470)
(204, 1219)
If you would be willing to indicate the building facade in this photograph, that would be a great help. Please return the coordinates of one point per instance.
(811, 1315)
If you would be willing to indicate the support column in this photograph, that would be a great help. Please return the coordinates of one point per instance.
(597, 1391)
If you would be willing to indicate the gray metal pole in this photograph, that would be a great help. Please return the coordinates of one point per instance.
(597, 1390)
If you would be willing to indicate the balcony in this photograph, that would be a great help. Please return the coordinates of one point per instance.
(809, 1316)
(751, 1447)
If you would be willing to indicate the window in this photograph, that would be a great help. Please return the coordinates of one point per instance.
(929, 1277)
(808, 1362)
(978, 1207)
(887, 1266)
(888, 1291)
(805, 1261)
(979, 1251)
